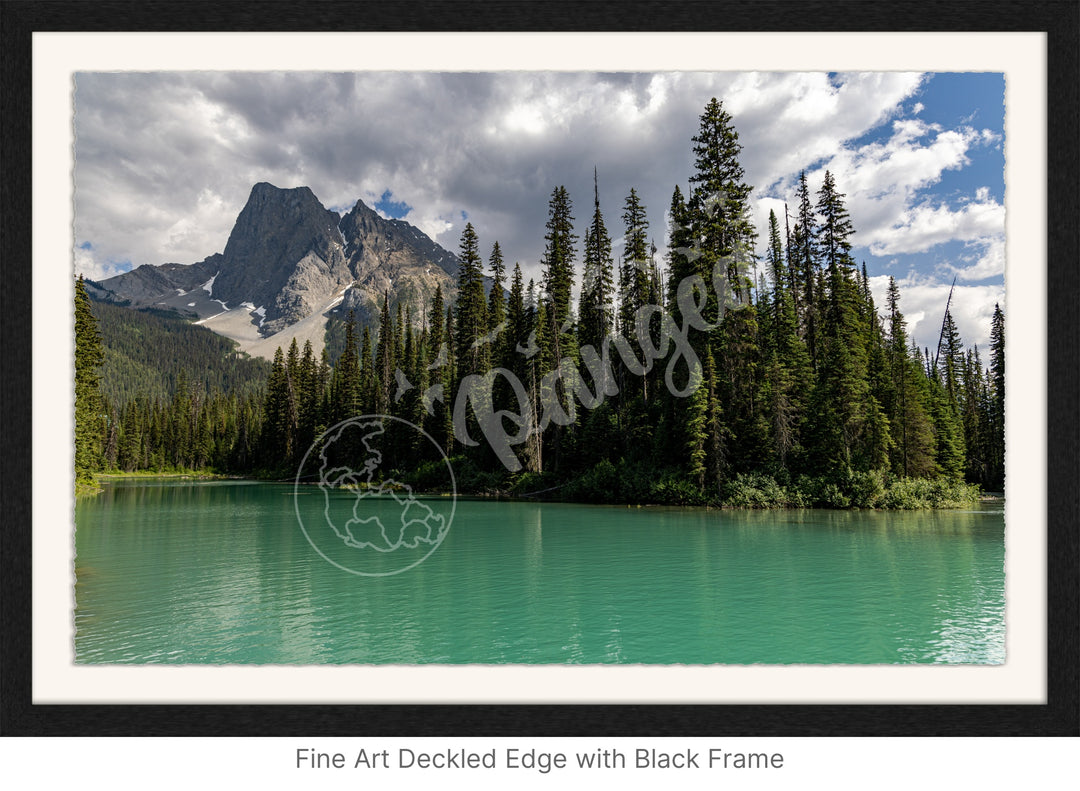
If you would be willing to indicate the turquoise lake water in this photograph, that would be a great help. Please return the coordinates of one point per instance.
(173, 571)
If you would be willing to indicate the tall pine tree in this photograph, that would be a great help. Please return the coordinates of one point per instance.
(89, 356)
(997, 400)
(719, 198)
(597, 289)
(496, 308)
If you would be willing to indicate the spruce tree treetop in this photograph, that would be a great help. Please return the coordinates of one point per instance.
(719, 198)
(997, 353)
(385, 361)
(496, 304)
(435, 321)
(716, 161)
(951, 361)
(496, 307)
(897, 324)
(835, 227)
(680, 242)
(807, 222)
(517, 329)
(777, 270)
(471, 310)
(559, 256)
(997, 398)
(634, 269)
(597, 281)
(515, 307)
(89, 356)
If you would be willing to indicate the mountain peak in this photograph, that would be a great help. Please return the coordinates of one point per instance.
(294, 205)
(291, 261)
(264, 191)
(278, 232)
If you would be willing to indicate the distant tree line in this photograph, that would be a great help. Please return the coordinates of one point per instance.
(802, 392)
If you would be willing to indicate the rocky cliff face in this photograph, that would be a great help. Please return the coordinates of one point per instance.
(392, 257)
(289, 257)
(284, 254)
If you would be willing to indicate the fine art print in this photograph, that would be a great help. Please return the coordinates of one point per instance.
(403, 368)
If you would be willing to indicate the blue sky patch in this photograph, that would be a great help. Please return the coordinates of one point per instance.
(391, 208)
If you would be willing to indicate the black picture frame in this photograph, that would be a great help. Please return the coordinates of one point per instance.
(1060, 21)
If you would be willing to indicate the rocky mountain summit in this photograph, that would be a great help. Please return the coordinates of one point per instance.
(285, 254)
(288, 264)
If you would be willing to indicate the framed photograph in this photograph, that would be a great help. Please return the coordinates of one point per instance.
(540, 371)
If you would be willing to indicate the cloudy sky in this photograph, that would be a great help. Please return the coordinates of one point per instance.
(165, 160)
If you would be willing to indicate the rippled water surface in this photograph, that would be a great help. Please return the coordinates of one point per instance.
(220, 572)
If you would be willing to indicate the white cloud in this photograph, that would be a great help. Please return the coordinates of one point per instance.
(887, 187)
(787, 122)
(528, 118)
(989, 262)
(165, 161)
(922, 302)
(883, 180)
(760, 210)
(209, 214)
(920, 228)
(88, 265)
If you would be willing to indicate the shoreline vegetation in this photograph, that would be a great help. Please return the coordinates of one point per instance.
(609, 485)
(207, 475)
(92, 487)
(721, 373)
(622, 484)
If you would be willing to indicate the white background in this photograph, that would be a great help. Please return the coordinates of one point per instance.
(989, 763)
(269, 764)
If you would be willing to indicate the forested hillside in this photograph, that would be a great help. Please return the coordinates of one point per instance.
(146, 351)
(165, 394)
(680, 380)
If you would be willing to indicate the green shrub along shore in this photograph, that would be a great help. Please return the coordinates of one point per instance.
(626, 483)
(92, 487)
